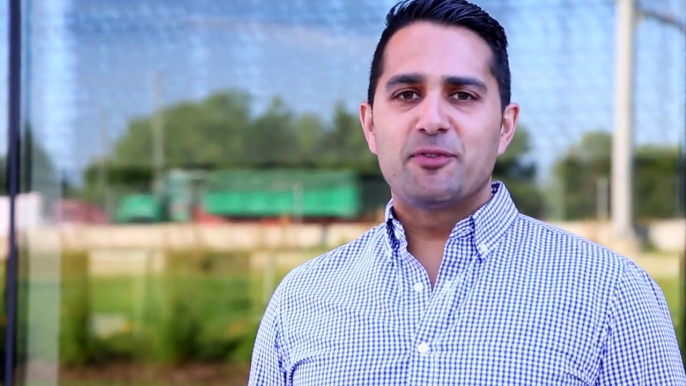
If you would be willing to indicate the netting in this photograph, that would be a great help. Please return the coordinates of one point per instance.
(95, 67)
(132, 104)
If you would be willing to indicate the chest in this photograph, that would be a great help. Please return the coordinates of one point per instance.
(465, 332)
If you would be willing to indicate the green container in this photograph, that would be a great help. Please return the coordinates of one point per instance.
(139, 208)
(270, 193)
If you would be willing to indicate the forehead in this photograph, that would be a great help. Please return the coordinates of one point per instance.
(437, 50)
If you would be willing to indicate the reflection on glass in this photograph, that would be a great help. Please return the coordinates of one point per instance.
(182, 157)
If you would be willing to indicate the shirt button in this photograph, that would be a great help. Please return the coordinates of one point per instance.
(419, 287)
(423, 348)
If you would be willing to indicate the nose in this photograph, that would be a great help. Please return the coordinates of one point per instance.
(432, 116)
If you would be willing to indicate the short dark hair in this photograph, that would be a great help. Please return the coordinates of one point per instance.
(456, 13)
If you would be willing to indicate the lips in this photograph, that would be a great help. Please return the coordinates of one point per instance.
(432, 151)
(431, 158)
(431, 155)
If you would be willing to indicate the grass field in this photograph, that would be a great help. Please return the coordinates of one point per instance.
(197, 319)
(673, 293)
(201, 314)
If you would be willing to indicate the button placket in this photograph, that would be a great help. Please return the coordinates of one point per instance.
(417, 294)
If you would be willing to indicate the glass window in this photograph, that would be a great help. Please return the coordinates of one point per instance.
(178, 158)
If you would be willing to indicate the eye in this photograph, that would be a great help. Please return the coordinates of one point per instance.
(463, 96)
(407, 95)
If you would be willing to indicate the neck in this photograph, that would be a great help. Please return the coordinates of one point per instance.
(427, 231)
(436, 225)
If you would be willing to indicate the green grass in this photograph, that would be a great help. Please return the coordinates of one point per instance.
(672, 291)
(202, 309)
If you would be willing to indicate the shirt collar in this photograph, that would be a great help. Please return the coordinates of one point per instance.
(487, 225)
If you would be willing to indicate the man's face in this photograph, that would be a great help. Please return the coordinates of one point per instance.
(437, 125)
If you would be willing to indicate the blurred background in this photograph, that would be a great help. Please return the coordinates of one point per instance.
(179, 157)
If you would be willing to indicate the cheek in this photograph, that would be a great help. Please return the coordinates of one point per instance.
(385, 148)
(481, 149)
(389, 150)
(388, 140)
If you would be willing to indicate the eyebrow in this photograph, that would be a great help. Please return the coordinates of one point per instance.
(404, 79)
(465, 81)
(459, 81)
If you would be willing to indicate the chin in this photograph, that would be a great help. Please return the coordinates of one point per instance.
(434, 200)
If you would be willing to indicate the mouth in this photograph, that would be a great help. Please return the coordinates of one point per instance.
(431, 158)
(431, 153)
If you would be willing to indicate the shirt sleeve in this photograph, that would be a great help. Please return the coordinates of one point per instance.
(640, 346)
(266, 368)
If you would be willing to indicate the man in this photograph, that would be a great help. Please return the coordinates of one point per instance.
(456, 286)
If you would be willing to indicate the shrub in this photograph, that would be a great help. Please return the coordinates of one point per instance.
(75, 328)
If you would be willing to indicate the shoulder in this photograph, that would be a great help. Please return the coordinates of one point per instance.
(333, 266)
(617, 285)
(556, 243)
(587, 266)
(590, 263)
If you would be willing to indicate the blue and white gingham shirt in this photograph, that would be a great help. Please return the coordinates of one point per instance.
(516, 302)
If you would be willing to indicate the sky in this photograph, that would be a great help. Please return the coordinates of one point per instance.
(92, 64)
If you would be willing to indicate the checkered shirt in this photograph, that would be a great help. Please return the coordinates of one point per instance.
(516, 302)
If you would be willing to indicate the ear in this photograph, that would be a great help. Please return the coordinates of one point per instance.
(508, 126)
(367, 121)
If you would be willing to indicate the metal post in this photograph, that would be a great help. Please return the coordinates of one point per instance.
(13, 159)
(682, 260)
(622, 142)
(602, 188)
(298, 213)
(104, 163)
(158, 137)
(269, 276)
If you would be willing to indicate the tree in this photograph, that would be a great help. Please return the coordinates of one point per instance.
(205, 133)
(519, 174)
(38, 171)
(272, 139)
(655, 169)
(657, 188)
(580, 171)
(219, 132)
(310, 133)
(344, 144)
